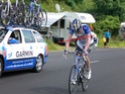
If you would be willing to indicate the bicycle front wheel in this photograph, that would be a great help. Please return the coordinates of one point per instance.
(72, 84)
(85, 81)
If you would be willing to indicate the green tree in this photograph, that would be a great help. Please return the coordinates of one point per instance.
(109, 22)
(111, 7)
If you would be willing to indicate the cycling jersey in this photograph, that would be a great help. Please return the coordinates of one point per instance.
(85, 28)
(82, 35)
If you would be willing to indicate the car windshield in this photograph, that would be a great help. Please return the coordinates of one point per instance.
(3, 33)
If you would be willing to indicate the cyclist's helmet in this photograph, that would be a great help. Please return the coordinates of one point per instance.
(76, 25)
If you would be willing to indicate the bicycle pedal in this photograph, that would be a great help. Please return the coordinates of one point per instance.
(80, 80)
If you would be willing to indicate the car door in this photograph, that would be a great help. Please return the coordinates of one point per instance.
(29, 47)
(40, 44)
(14, 48)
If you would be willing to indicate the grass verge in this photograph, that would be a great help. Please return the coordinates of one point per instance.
(113, 43)
(53, 46)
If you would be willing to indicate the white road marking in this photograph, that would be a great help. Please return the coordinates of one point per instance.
(95, 61)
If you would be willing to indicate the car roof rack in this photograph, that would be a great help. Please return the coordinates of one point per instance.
(36, 28)
(31, 27)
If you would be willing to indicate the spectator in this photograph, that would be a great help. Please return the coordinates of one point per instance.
(107, 36)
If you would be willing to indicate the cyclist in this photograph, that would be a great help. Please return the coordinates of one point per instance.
(85, 42)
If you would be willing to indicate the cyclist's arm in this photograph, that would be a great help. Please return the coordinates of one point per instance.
(88, 39)
(68, 40)
(88, 36)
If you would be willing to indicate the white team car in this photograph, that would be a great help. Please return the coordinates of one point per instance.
(21, 48)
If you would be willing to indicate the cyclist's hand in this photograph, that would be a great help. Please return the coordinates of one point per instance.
(85, 52)
(65, 52)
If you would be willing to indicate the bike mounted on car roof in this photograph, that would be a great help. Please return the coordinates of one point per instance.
(20, 13)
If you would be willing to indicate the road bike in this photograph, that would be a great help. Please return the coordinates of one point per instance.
(19, 13)
(77, 74)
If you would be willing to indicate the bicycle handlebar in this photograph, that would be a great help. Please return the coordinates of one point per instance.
(65, 54)
(76, 53)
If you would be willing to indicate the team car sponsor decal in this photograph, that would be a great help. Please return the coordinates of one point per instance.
(24, 53)
(9, 55)
(20, 63)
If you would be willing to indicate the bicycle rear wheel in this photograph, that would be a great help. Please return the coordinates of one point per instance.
(44, 18)
(38, 20)
(85, 82)
(27, 16)
(72, 87)
(41, 19)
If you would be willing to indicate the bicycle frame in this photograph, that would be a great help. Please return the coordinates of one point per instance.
(9, 5)
(79, 57)
(18, 1)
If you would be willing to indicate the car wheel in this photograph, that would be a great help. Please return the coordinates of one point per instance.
(39, 64)
(1, 66)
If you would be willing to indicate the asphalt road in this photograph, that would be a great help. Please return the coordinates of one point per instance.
(108, 75)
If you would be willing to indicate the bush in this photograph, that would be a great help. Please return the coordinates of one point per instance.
(109, 22)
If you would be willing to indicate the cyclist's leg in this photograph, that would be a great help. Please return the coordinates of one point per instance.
(87, 60)
(87, 72)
